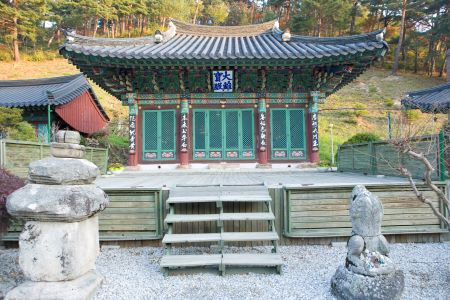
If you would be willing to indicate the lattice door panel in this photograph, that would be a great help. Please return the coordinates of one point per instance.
(223, 134)
(288, 134)
(159, 135)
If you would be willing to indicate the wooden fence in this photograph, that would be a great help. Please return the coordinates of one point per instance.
(324, 211)
(15, 156)
(381, 158)
(303, 215)
(132, 214)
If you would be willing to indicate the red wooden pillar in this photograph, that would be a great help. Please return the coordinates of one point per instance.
(184, 134)
(262, 125)
(133, 121)
(314, 126)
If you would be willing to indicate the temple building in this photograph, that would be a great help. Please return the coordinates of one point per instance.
(65, 102)
(201, 93)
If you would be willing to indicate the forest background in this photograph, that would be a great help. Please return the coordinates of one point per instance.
(417, 32)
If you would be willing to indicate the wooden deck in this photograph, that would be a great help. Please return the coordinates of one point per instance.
(272, 177)
(308, 207)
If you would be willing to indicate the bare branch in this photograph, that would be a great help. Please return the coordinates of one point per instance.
(423, 199)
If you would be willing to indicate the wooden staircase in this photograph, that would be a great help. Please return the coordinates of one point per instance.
(222, 261)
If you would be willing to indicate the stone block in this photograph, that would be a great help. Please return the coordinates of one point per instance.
(58, 251)
(68, 137)
(346, 285)
(67, 150)
(82, 288)
(53, 170)
(69, 203)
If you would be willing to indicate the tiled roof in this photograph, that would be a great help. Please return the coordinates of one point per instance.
(200, 42)
(44, 91)
(431, 100)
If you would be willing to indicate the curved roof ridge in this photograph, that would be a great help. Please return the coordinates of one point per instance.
(437, 88)
(376, 36)
(241, 30)
(82, 39)
(40, 81)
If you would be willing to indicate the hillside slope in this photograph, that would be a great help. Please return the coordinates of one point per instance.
(359, 107)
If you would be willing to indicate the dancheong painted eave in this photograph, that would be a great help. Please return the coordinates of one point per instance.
(197, 44)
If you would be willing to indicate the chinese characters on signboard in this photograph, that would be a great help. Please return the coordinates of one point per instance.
(222, 81)
(315, 131)
(262, 130)
(132, 133)
(184, 130)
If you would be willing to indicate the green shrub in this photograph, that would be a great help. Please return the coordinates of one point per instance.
(40, 55)
(361, 110)
(373, 89)
(412, 114)
(389, 102)
(363, 137)
(23, 131)
(13, 125)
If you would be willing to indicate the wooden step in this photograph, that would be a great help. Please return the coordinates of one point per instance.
(249, 236)
(252, 259)
(193, 199)
(173, 261)
(245, 198)
(246, 216)
(191, 238)
(191, 218)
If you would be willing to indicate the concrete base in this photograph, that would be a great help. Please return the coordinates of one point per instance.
(346, 285)
(82, 288)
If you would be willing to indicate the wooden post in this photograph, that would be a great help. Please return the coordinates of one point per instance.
(262, 125)
(314, 126)
(132, 130)
(184, 134)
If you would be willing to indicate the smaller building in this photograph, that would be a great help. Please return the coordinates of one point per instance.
(66, 102)
(431, 100)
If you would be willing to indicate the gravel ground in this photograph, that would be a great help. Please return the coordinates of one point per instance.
(133, 273)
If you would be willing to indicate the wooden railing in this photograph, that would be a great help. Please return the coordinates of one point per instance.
(15, 156)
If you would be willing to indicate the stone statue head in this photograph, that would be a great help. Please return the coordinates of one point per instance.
(366, 212)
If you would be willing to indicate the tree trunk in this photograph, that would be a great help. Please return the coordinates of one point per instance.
(400, 40)
(442, 68)
(194, 21)
(288, 12)
(15, 41)
(95, 26)
(354, 12)
(416, 58)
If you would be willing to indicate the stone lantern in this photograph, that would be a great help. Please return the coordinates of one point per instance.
(60, 240)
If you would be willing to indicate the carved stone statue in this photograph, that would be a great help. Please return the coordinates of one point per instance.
(369, 273)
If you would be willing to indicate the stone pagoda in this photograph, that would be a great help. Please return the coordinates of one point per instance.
(60, 240)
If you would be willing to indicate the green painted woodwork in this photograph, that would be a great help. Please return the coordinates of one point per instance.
(323, 211)
(382, 158)
(277, 81)
(248, 81)
(288, 140)
(15, 156)
(130, 215)
(169, 81)
(226, 134)
(159, 135)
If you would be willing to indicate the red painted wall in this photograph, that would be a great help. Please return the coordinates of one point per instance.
(82, 114)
